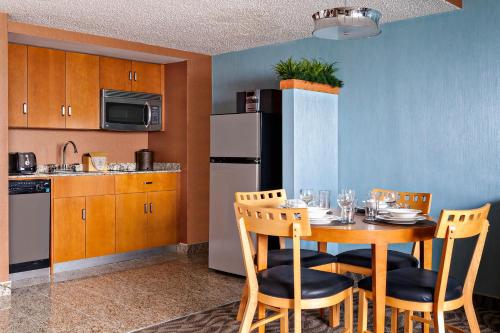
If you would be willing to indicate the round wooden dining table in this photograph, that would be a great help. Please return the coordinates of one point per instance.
(379, 235)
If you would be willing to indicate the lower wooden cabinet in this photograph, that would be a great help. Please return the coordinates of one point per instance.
(69, 229)
(99, 225)
(131, 219)
(89, 220)
(161, 226)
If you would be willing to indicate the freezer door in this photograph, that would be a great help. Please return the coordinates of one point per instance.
(235, 135)
(224, 242)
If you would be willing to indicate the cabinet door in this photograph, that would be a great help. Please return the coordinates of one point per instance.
(46, 87)
(131, 219)
(147, 77)
(82, 91)
(115, 73)
(162, 227)
(69, 229)
(100, 225)
(18, 85)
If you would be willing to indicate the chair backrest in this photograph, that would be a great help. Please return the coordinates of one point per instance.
(270, 199)
(457, 224)
(415, 200)
(280, 222)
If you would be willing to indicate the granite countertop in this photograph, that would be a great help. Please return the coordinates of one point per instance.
(158, 168)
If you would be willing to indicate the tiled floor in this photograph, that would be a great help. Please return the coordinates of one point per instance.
(119, 297)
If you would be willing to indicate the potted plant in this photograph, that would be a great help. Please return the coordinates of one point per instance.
(308, 75)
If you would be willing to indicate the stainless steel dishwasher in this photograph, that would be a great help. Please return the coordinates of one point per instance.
(29, 225)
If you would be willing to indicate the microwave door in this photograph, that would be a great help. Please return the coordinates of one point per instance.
(126, 115)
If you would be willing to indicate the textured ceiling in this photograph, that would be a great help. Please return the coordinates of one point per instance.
(205, 26)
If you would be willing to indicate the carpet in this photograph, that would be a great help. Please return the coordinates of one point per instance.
(222, 320)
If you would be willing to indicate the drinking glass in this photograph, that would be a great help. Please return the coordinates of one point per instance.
(370, 209)
(391, 198)
(345, 200)
(324, 199)
(306, 195)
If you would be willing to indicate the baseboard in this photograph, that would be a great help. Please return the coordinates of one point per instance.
(192, 249)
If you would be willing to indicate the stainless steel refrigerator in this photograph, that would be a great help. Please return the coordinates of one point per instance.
(245, 152)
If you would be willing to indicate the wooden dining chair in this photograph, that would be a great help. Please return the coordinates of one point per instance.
(360, 260)
(416, 289)
(285, 287)
(309, 258)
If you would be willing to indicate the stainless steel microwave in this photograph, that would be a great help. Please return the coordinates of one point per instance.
(130, 111)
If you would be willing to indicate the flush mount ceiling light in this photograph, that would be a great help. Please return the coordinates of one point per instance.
(346, 23)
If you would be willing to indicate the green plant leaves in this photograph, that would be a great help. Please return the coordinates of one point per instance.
(308, 70)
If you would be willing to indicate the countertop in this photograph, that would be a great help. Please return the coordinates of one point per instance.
(76, 174)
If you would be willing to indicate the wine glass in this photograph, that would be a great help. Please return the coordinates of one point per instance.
(345, 200)
(391, 198)
(306, 195)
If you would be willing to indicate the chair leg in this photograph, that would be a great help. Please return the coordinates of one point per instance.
(470, 313)
(394, 320)
(426, 328)
(284, 321)
(438, 322)
(348, 315)
(362, 312)
(261, 314)
(247, 320)
(334, 315)
(243, 302)
(408, 322)
(297, 313)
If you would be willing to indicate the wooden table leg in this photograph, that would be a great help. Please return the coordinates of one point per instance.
(426, 263)
(379, 276)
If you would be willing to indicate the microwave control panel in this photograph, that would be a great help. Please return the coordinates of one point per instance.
(155, 115)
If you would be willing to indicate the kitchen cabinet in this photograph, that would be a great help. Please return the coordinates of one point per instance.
(18, 85)
(82, 91)
(120, 74)
(46, 88)
(161, 225)
(99, 225)
(131, 219)
(69, 229)
(146, 77)
(115, 73)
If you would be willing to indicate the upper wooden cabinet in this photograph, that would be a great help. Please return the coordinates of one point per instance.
(129, 75)
(18, 85)
(56, 89)
(82, 91)
(146, 77)
(46, 88)
(115, 73)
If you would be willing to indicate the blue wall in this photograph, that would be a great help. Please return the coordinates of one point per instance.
(420, 110)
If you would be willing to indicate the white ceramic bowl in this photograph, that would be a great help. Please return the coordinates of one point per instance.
(317, 212)
(403, 212)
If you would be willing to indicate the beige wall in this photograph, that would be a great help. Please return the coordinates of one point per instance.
(47, 144)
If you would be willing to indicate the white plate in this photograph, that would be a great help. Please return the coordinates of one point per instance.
(398, 220)
(317, 212)
(403, 212)
(324, 220)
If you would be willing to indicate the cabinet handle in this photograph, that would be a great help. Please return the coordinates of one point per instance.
(145, 208)
(84, 214)
(63, 110)
(69, 110)
(151, 207)
(130, 75)
(25, 108)
(135, 76)
(148, 183)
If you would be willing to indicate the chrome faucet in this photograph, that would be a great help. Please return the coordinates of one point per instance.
(64, 166)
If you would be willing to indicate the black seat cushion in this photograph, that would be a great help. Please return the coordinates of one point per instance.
(415, 284)
(363, 258)
(308, 258)
(278, 282)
